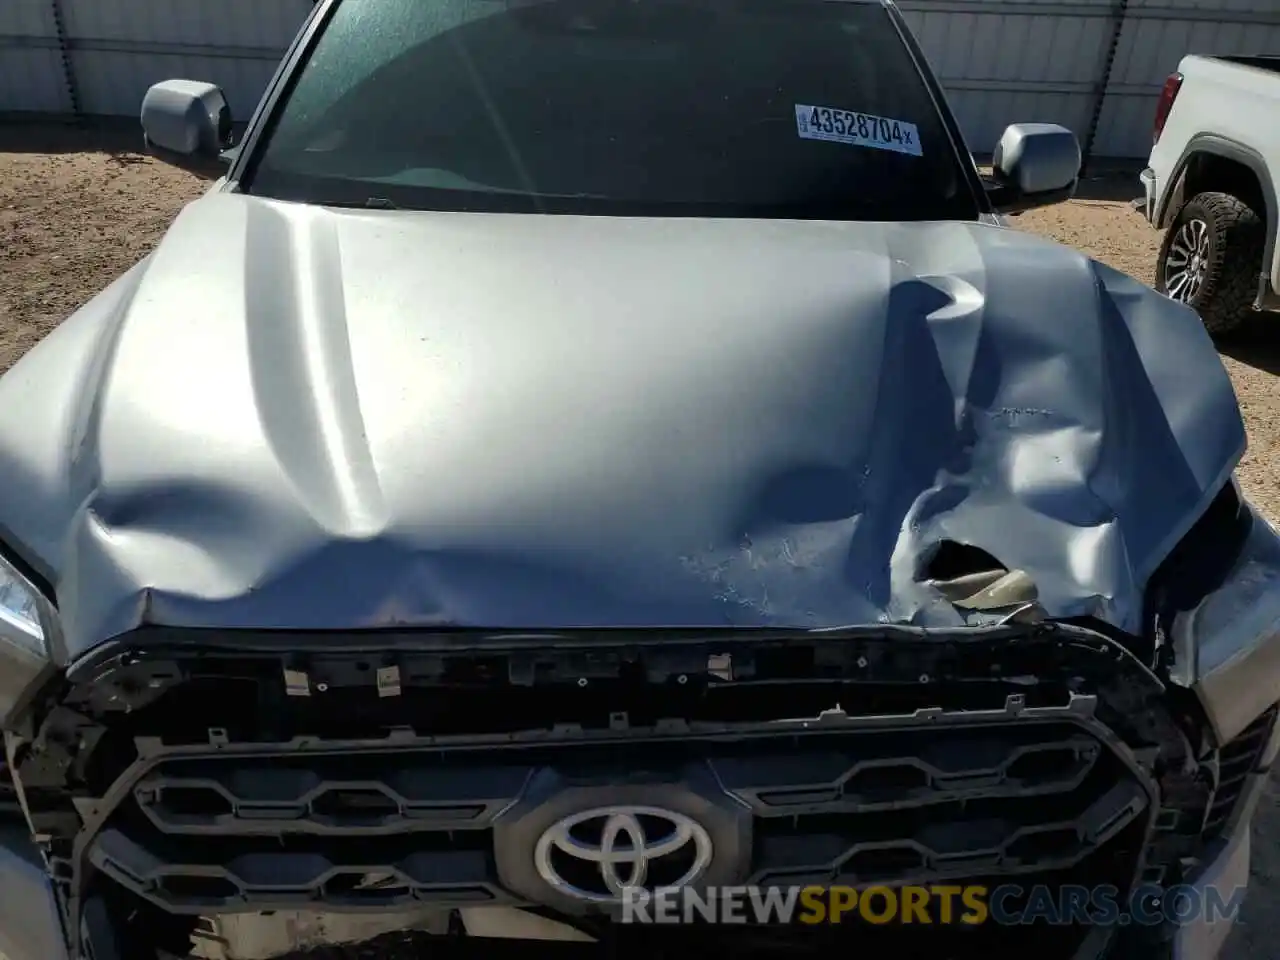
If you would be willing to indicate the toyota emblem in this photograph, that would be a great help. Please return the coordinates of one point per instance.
(596, 854)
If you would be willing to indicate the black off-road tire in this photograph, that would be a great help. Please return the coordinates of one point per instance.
(1231, 251)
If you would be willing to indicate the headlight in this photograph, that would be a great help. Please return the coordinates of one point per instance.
(28, 635)
(20, 611)
(1227, 645)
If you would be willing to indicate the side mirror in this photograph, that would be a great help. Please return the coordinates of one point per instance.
(1034, 165)
(186, 119)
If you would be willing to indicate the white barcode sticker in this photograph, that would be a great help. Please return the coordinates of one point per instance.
(857, 129)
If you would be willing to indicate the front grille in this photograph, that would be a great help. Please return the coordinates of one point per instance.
(914, 802)
(188, 779)
(1236, 761)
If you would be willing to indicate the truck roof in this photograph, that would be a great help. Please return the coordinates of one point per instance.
(1269, 62)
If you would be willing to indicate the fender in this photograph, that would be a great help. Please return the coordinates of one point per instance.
(1171, 202)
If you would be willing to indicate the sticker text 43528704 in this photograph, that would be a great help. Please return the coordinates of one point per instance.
(857, 129)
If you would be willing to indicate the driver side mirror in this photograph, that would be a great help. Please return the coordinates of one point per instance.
(186, 120)
(1034, 165)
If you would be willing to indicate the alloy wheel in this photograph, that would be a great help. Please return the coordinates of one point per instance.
(1187, 261)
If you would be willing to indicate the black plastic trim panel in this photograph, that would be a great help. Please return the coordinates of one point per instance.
(927, 797)
(364, 771)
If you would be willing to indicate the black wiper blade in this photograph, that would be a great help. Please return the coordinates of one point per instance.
(372, 203)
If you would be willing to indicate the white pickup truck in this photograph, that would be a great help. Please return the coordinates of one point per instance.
(1211, 181)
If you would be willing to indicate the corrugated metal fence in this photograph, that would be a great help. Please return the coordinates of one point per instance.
(1094, 65)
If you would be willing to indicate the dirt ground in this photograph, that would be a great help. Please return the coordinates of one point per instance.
(77, 209)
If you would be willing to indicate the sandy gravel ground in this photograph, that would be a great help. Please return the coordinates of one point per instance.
(76, 210)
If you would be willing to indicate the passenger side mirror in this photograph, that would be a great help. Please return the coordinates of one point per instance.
(186, 119)
(1034, 165)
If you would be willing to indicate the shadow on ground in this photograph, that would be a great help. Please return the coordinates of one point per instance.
(1255, 344)
(121, 138)
(1110, 182)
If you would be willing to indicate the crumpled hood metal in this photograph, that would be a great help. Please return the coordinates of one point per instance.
(291, 417)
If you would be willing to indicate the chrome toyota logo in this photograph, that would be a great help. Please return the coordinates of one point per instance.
(594, 855)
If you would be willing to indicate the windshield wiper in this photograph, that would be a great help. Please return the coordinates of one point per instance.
(371, 203)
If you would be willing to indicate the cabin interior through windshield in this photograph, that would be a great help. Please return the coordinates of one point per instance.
(776, 107)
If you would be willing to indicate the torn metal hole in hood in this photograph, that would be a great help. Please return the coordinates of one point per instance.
(982, 588)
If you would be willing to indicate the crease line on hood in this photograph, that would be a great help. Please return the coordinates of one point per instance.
(84, 463)
(1141, 336)
(303, 378)
(933, 347)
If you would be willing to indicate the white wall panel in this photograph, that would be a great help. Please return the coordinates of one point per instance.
(121, 47)
(1159, 33)
(1006, 62)
(1000, 61)
(31, 71)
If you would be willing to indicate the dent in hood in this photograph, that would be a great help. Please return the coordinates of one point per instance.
(298, 418)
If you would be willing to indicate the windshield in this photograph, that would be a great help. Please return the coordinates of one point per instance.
(764, 108)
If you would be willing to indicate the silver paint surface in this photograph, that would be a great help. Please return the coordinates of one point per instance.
(293, 417)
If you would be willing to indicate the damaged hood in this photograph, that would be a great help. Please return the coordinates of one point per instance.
(293, 417)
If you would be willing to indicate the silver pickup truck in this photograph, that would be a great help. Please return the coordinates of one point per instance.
(601, 449)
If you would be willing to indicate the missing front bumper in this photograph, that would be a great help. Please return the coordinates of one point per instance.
(1043, 752)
